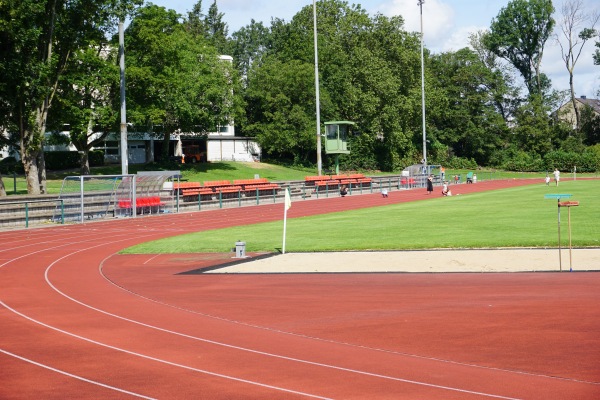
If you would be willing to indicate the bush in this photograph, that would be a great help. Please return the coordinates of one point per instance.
(61, 160)
(461, 163)
(9, 165)
(587, 161)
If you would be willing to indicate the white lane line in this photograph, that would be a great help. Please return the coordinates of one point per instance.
(75, 376)
(158, 359)
(253, 351)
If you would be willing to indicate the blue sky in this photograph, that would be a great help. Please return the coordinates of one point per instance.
(446, 26)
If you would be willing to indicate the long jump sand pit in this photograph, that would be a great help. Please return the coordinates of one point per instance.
(421, 261)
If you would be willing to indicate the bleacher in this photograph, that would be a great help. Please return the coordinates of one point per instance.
(334, 181)
(212, 189)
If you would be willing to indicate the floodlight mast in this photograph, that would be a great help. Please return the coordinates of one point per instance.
(420, 4)
(124, 147)
(319, 162)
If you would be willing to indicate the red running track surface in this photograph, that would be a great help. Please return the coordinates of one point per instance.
(79, 321)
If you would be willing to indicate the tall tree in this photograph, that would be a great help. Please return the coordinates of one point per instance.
(176, 79)
(249, 44)
(577, 26)
(88, 95)
(505, 92)
(519, 34)
(38, 38)
(217, 29)
(470, 124)
(369, 73)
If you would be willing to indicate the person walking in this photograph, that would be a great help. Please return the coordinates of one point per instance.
(556, 176)
(430, 184)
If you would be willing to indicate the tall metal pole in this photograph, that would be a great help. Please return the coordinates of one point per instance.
(124, 149)
(319, 162)
(420, 4)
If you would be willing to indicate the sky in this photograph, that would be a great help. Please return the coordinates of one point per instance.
(446, 26)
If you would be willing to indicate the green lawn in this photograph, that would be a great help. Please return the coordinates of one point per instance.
(516, 217)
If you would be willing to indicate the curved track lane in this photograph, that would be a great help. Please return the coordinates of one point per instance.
(80, 322)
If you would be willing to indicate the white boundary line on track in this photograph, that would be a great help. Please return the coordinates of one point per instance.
(122, 318)
(376, 349)
(156, 359)
(74, 376)
(364, 373)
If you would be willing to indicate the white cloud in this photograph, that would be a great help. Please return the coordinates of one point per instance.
(438, 18)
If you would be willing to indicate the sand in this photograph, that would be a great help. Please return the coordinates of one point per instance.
(421, 261)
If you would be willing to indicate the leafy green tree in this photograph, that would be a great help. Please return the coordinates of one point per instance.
(469, 122)
(519, 34)
(506, 94)
(176, 81)
(249, 44)
(87, 99)
(590, 126)
(533, 132)
(369, 72)
(279, 99)
(38, 39)
(217, 29)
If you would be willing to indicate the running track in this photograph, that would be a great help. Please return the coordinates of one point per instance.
(79, 321)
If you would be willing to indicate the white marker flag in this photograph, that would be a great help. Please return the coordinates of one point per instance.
(288, 200)
(288, 204)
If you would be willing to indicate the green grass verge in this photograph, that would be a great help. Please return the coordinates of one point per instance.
(239, 170)
(516, 217)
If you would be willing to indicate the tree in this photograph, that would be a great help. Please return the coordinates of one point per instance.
(506, 94)
(38, 39)
(176, 80)
(217, 29)
(88, 100)
(369, 73)
(518, 34)
(469, 124)
(590, 126)
(249, 44)
(574, 37)
(280, 108)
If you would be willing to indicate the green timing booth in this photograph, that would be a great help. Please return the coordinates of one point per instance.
(336, 139)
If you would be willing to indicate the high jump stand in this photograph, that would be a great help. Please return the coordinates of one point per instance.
(567, 204)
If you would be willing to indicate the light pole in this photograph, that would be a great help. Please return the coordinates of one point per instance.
(319, 163)
(124, 146)
(420, 4)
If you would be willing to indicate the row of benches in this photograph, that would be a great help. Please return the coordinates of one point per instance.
(187, 189)
(337, 180)
(142, 204)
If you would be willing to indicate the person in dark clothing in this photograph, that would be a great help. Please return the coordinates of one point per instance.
(343, 190)
(430, 184)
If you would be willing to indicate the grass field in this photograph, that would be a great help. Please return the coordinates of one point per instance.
(516, 217)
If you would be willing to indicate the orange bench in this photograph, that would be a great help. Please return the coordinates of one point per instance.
(359, 178)
(186, 185)
(200, 191)
(327, 183)
(251, 185)
(312, 180)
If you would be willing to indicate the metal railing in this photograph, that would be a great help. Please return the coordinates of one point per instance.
(26, 204)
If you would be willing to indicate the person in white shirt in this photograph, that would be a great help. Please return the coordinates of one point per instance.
(556, 176)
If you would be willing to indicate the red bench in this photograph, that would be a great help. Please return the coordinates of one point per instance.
(251, 185)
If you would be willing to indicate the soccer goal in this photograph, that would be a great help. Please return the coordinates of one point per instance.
(89, 197)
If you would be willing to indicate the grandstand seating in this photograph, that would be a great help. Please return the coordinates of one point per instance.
(355, 180)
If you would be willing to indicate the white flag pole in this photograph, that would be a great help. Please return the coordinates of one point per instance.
(288, 204)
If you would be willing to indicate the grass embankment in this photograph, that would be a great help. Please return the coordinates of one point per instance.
(236, 170)
(516, 217)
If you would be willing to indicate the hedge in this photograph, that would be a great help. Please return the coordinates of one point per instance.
(60, 160)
